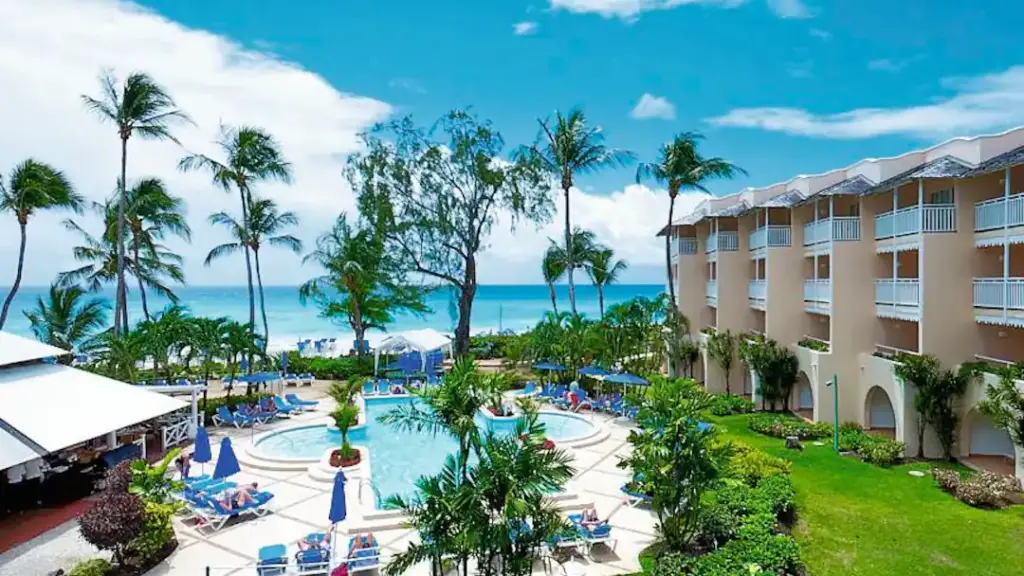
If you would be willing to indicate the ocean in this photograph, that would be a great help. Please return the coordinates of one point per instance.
(496, 307)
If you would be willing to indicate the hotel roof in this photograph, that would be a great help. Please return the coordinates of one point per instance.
(17, 350)
(942, 167)
(1003, 161)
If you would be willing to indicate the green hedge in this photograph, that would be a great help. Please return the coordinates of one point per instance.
(726, 404)
(343, 368)
(873, 449)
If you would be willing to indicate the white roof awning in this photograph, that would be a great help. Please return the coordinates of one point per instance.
(424, 340)
(13, 451)
(16, 349)
(58, 406)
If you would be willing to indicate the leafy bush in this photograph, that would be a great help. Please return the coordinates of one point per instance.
(709, 330)
(756, 549)
(882, 452)
(343, 368)
(873, 449)
(781, 426)
(726, 404)
(750, 465)
(119, 478)
(982, 490)
(947, 479)
(157, 531)
(492, 345)
(91, 567)
(775, 494)
(812, 344)
(113, 522)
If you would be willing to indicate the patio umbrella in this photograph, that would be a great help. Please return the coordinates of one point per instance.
(338, 511)
(626, 379)
(227, 463)
(593, 371)
(549, 367)
(201, 448)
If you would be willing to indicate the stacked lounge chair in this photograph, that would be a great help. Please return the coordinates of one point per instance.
(306, 379)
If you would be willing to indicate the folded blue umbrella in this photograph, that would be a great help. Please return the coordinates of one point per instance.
(339, 510)
(201, 450)
(227, 463)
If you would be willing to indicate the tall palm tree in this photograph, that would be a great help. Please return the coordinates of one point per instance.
(553, 268)
(582, 244)
(152, 213)
(251, 155)
(264, 222)
(208, 342)
(566, 147)
(33, 186)
(603, 271)
(721, 347)
(140, 107)
(681, 167)
(66, 319)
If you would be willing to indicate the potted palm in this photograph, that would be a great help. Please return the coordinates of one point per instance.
(345, 415)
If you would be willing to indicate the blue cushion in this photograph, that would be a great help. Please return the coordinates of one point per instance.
(273, 552)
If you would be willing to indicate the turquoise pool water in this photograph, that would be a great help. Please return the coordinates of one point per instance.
(398, 458)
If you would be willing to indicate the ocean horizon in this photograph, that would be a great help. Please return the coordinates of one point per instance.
(496, 307)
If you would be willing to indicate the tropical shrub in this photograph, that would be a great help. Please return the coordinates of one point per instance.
(113, 522)
(812, 344)
(937, 390)
(946, 479)
(777, 368)
(343, 368)
(756, 549)
(781, 426)
(882, 452)
(91, 567)
(982, 490)
(751, 465)
(726, 404)
(119, 478)
(157, 532)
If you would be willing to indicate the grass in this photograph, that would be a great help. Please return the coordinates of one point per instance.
(858, 519)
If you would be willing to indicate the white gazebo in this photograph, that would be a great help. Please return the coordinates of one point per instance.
(47, 407)
(422, 341)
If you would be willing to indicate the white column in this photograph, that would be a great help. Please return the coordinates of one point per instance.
(920, 204)
(895, 253)
(193, 422)
(112, 440)
(1006, 243)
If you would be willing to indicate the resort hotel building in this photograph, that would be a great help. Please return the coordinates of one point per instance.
(921, 253)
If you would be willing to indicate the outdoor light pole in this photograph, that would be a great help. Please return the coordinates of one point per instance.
(834, 384)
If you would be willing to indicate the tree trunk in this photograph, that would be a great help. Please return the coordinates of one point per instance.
(124, 306)
(725, 368)
(245, 246)
(554, 301)
(668, 249)
(571, 264)
(120, 303)
(600, 299)
(22, 224)
(138, 276)
(466, 295)
(263, 307)
(358, 329)
(920, 436)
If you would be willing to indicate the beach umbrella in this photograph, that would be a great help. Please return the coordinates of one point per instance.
(201, 448)
(338, 511)
(284, 362)
(626, 379)
(549, 367)
(593, 371)
(227, 463)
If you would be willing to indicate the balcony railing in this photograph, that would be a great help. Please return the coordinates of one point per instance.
(840, 229)
(993, 214)
(899, 292)
(725, 241)
(711, 289)
(757, 289)
(686, 245)
(819, 291)
(915, 219)
(773, 236)
(999, 293)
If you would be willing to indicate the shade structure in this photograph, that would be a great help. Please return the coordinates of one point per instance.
(549, 367)
(14, 451)
(201, 449)
(227, 463)
(420, 343)
(595, 371)
(626, 379)
(16, 349)
(339, 510)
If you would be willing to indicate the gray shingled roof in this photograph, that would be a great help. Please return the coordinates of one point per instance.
(850, 187)
(688, 220)
(943, 167)
(1005, 160)
(730, 211)
(784, 200)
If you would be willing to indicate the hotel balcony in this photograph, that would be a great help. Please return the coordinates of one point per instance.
(711, 292)
(757, 291)
(914, 220)
(818, 296)
(899, 299)
(724, 241)
(999, 301)
(998, 213)
(839, 229)
(771, 237)
(683, 246)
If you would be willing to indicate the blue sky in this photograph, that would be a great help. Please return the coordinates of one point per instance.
(780, 87)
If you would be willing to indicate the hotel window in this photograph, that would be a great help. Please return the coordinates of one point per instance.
(942, 197)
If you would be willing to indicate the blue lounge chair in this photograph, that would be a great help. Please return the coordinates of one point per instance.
(224, 416)
(302, 404)
(291, 379)
(366, 557)
(273, 560)
(313, 561)
(369, 388)
(306, 379)
(193, 480)
(279, 403)
(383, 387)
(591, 536)
(634, 498)
(214, 515)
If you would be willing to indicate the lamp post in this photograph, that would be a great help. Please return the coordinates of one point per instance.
(834, 384)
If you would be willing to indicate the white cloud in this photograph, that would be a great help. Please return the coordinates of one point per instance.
(524, 28)
(988, 102)
(631, 9)
(651, 106)
(803, 69)
(789, 8)
(820, 34)
(889, 65)
(627, 220)
(51, 52)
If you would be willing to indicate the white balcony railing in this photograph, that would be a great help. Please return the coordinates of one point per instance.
(712, 244)
(842, 229)
(993, 214)
(757, 289)
(725, 241)
(818, 291)
(915, 219)
(999, 293)
(773, 236)
(686, 245)
(899, 292)
(711, 289)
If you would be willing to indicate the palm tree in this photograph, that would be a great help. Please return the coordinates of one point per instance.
(582, 245)
(603, 271)
(151, 213)
(252, 155)
(144, 108)
(681, 167)
(119, 353)
(66, 319)
(34, 186)
(208, 340)
(722, 349)
(238, 341)
(264, 222)
(566, 147)
(553, 268)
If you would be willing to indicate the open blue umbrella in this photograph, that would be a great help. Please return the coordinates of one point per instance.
(593, 371)
(201, 448)
(626, 379)
(227, 463)
(549, 366)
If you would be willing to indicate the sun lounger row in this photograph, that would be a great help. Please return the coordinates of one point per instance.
(207, 502)
(304, 379)
(385, 387)
(363, 554)
(268, 408)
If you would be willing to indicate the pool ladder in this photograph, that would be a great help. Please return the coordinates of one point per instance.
(369, 484)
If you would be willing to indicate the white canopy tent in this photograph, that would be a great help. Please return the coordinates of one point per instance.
(13, 451)
(16, 350)
(422, 341)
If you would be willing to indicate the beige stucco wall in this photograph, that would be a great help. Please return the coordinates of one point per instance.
(853, 317)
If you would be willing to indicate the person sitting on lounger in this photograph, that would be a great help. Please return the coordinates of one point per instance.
(240, 498)
(397, 389)
(590, 518)
(316, 541)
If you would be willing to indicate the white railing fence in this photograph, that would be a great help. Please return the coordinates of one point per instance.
(891, 352)
(711, 289)
(999, 293)
(899, 292)
(914, 219)
(712, 244)
(839, 228)
(817, 290)
(686, 246)
(992, 214)
(757, 239)
(174, 434)
(781, 236)
(756, 290)
(728, 241)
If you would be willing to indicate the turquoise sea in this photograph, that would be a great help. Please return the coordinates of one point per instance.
(515, 307)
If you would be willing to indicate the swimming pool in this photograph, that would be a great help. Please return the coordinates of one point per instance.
(397, 457)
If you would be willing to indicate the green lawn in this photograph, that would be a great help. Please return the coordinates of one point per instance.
(855, 518)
